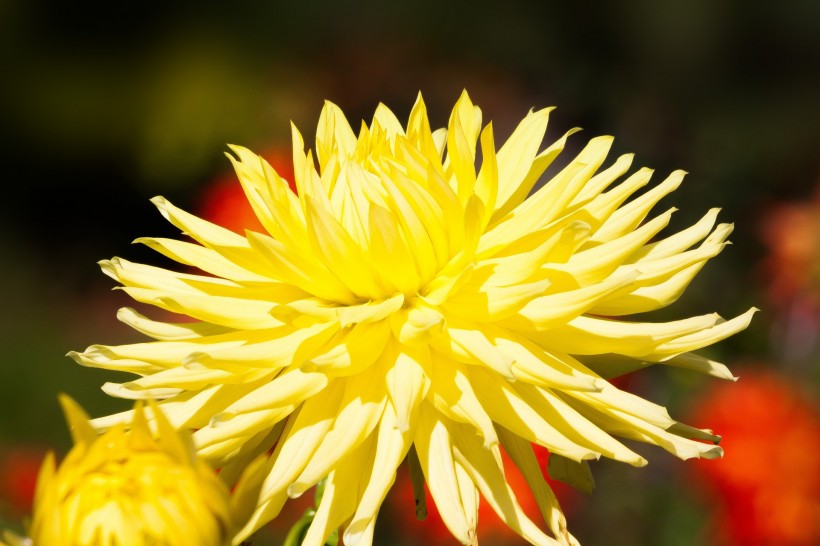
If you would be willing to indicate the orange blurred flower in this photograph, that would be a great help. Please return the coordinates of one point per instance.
(790, 275)
(791, 232)
(766, 489)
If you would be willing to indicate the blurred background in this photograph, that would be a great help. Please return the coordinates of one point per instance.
(102, 108)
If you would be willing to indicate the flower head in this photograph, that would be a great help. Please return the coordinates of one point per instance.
(403, 298)
(129, 487)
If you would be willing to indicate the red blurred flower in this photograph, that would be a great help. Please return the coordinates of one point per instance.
(766, 489)
(223, 202)
(432, 531)
(19, 467)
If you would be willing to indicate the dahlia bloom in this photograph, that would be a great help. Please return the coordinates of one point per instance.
(129, 487)
(404, 301)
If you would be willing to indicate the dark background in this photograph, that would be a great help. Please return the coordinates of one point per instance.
(105, 106)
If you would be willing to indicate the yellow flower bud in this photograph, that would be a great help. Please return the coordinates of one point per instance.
(130, 486)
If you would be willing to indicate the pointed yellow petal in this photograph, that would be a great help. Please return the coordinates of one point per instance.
(360, 410)
(507, 408)
(393, 441)
(546, 204)
(485, 468)
(300, 439)
(595, 264)
(351, 350)
(333, 134)
(603, 179)
(522, 455)
(590, 335)
(248, 464)
(205, 259)
(407, 383)
(486, 186)
(289, 388)
(434, 448)
(78, 423)
(515, 159)
(705, 337)
(339, 253)
(341, 494)
(553, 309)
(461, 138)
(628, 217)
(452, 394)
(167, 331)
(485, 303)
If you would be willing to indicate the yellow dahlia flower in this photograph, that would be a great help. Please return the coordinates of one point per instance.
(128, 487)
(405, 298)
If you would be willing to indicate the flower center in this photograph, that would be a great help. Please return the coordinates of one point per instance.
(384, 212)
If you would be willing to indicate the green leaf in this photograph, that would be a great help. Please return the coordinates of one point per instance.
(417, 479)
(578, 475)
(297, 533)
(320, 490)
(609, 365)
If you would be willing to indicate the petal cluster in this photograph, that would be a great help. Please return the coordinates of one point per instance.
(130, 487)
(420, 293)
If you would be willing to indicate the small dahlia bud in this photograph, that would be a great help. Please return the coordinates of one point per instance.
(130, 486)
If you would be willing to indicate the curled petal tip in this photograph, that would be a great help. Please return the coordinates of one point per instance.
(221, 418)
(297, 489)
